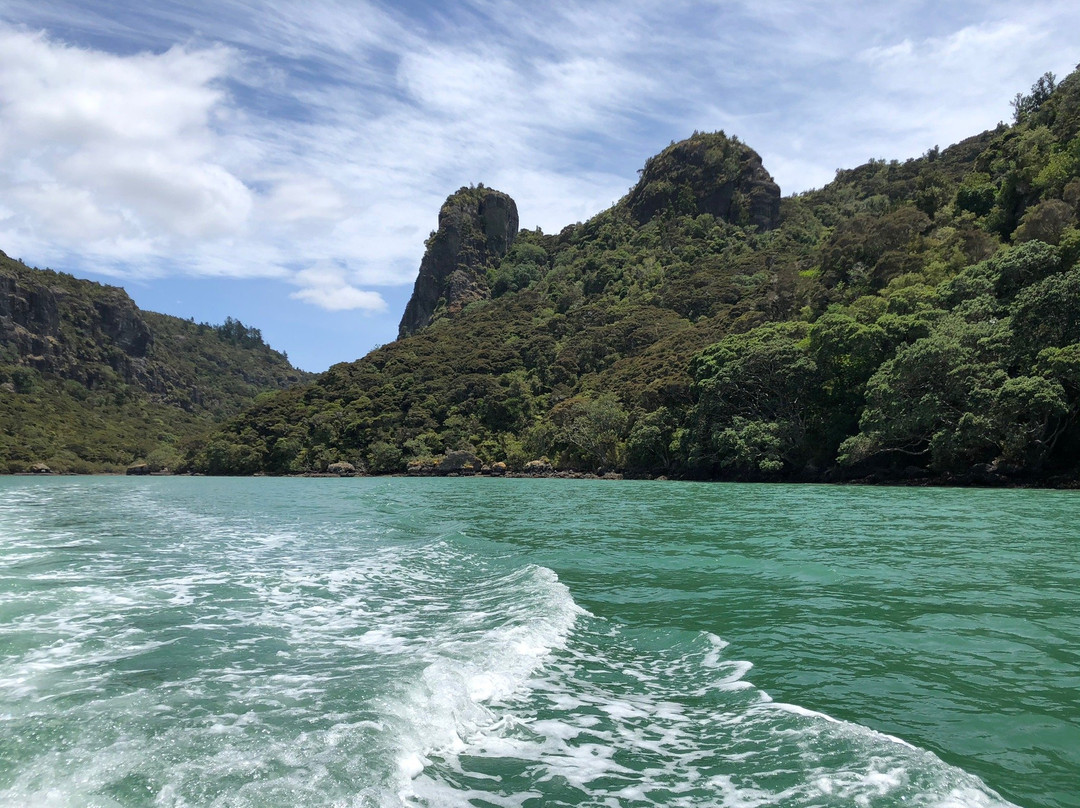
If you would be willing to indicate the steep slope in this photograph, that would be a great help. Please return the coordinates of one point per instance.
(89, 382)
(703, 327)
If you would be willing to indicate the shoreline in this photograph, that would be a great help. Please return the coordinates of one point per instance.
(1050, 483)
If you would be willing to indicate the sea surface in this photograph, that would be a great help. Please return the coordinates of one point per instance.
(486, 642)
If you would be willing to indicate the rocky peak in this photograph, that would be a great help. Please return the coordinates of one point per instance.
(707, 173)
(476, 228)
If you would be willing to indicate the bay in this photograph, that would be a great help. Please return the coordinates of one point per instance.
(385, 642)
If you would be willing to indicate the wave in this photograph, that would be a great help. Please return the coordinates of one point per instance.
(239, 659)
(479, 664)
(659, 717)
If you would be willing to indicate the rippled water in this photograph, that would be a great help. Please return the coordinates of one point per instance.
(388, 642)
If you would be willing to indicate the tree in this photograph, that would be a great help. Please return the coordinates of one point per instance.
(929, 402)
(1024, 105)
(385, 458)
(523, 264)
(1045, 222)
(847, 352)
(1027, 414)
(755, 399)
(592, 429)
(1047, 314)
(649, 444)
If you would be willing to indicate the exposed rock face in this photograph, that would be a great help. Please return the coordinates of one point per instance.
(29, 317)
(708, 173)
(120, 322)
(34, 309)
(95, 335)
(476, 228)
(35, 306)
(539, 467)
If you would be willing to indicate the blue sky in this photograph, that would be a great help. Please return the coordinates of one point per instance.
(282, 163)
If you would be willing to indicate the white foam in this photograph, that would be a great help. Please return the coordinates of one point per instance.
(712, 656)
(725, 743)
(795, 709)
(411, 765)
(472, 673)
(494, 688)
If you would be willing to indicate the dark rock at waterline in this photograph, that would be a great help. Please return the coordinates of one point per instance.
(342, 469)
(454, 463)
(538, 468)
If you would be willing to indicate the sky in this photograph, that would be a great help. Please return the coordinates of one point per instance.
(282, 162)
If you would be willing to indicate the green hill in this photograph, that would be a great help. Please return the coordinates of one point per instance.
(89, 382)
(911, 320)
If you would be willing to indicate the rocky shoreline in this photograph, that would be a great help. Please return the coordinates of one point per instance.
(466, 464)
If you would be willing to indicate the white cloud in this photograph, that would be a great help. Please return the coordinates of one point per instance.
(73, 213)
(459, 81)
(190, 199)
(330, 132)
(937, 90)
(107, 152)
(69, 96)
(590, 93)
(328, 287)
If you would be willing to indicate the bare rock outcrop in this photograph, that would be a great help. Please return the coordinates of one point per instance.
(476, 228)
(40, 316)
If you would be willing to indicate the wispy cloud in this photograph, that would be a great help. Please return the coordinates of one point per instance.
(314, 141)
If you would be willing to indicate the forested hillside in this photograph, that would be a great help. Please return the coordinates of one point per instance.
(89, 382)
(911, 320)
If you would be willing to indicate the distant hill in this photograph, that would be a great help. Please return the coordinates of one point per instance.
(89, 382)
(915, 320)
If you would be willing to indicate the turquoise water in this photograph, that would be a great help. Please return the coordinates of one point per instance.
(387, 642)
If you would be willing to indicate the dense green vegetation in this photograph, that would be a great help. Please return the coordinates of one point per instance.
(88, 382)
(910, 320)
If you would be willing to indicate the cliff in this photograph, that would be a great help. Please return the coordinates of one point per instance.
(88, 381)
(72, 329)
(476, 228)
